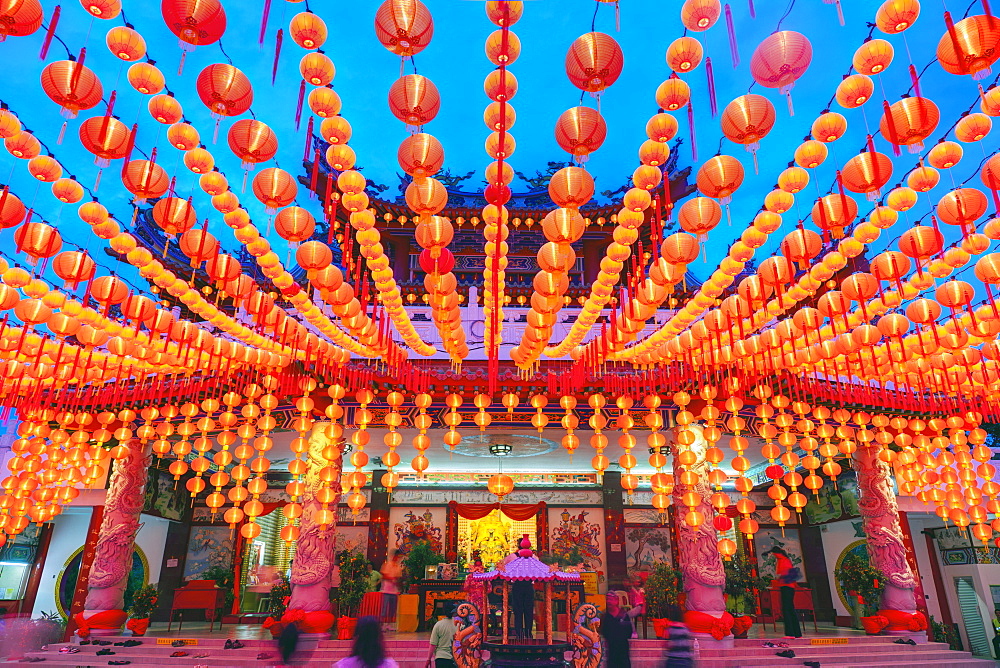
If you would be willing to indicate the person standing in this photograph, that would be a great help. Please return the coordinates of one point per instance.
(616, 629)
(680, 646)
(522, 603)
(368, 650)
(392, 575)
(788, 576)
(442, 641)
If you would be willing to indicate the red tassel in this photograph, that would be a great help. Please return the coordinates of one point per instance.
(309, 137)
(131, 143)
(694, 142)
(988, 12)
(711, 87)
(263, 21)
(950, 25)
(277, 52)
(915, 78)
(314, 175)
(53, 22)
(734, 47)
(298, 107)
(74, 78)
(893, 135)
(870, 144)
(753, 12)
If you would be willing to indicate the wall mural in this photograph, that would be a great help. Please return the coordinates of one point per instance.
(352, 538)
(765, 540)
(834, 502)
(574, 537)
(164, 497)
(645, 546)
(208, 547)
(415, 528)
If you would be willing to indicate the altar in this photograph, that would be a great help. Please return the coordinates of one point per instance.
(434, 594)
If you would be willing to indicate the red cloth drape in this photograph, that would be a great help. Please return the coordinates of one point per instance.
(515, 511)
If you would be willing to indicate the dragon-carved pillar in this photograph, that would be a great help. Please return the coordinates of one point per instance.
(886, 543)
(699, 558)
(103, 612)
(312, 569)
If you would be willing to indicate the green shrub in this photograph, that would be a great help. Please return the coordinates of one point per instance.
(663, 588)
(144, 602)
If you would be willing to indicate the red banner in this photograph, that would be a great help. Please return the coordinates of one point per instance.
(515, 511)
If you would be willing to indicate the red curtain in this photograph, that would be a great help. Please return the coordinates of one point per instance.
(515, 511)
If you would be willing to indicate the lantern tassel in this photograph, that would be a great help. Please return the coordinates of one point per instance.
(712, 105)
(97, 181)
(915, 78)
(787, 92)
(734, 48)
(298, 107)
(753, 12)
(277, 52)
(53, 22)
(180, 65)
(62, 132)
(694, 141)
(263, 22)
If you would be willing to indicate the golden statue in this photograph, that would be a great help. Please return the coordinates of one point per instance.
(490, 536)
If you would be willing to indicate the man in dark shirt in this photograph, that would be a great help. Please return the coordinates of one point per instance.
(616, 629)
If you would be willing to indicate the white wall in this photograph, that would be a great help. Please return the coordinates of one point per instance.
(69, 532)
(836, 537)
(151, 539)
(917, 524)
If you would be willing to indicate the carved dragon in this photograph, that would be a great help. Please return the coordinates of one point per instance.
(468, 636)
(586, 638)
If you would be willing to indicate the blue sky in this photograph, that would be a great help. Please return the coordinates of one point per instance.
(455, 61)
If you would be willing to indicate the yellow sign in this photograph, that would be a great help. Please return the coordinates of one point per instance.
(589, 583)
(828, 641)
(169, 641)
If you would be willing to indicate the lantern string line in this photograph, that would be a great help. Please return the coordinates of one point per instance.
(788, 10)
(56, 37)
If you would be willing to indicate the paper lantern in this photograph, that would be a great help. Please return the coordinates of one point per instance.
(990, 102)
(962, 207)
(971, 47)
(213, 183)
(414, 99)
(661, 127)
(106, 137)
(793, 179)
(336, 130)
(829, 127)
(801, 245)
(340, 157)
(504, 12)
(146, 78)
(12, 209)
(571, 187)
(873, 57)
(183, 136)
(502, 48)
(854, 91)
(37, 240)
(747, 119)
(680, 249)
(909, 122)
(945, 155)
(275, 188)
(973, 127)
(778, 201)
(684, 54)
(404, 27)
(580, 131)
(720, 177)
(252, 141)
(67, 191)
(499, 117)
(923, 179)
(895, 16)
(779, 60)
(564, 225)
(194, 22)
(23, 145)
(594, 62)
(307, 30)
(866, 173)
(700, 15)
(165, 109)
(145, 180)
(920, 243)
(901, 199)
(125, 43)
(420, 155)
(225, 90)
(72, 86)
(313, 256)
(294, 224)
(500, 485)
(19, 18)
(324, 102)
(45, 168)
(317, 69)
(654, 153)
(426, 196)
(699, 215)
(834, 213)
(174, 215)
(10, 125)
(224, 268)
(102, 9)
(198, 245)
(500, 85)
(673, 94)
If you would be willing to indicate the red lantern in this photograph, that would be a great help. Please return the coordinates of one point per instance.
(198, 245)
(971, 47)
(909, 122)
(174, 215)
(12, 210)
(72, 86)
(145, 180)
(252, 141)
(699, 215)
(294, 224)
(720, 177)
(414, 99)
(307, 30)
(106, 137)
(19, 18)
(195, 22)
(834, 213)
(420, 155)
(224, 90)
(37, 240)
(594, 62)
(125, 43)
(780, 60)
(275, 188)
(405, 27)
(746, 120)
(867, 173)
(581, 131)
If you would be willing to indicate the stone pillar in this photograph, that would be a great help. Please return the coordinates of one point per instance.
(700, 561)
(103, 612)
(312, 568)
(886, 543)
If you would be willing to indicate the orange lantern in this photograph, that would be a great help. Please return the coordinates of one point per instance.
(275, 188)
(970, 47)
(866, 173)
(684, 54)
(165, 109)
(307, 30)
(174, 215)
(67, 191)
(225, 90)
(145, 180)
(945, 155)
(414, 99)
(829, 127)
(594, 62)
(420, 155)
(252, 141)
(801, 245)
(37, 240)
(317, 69)
(313, 256)
(854, 91)
(72, 86)
(834, 212)
(324, 102)
(661, 127)
(106, 137)
(198, 245)
(873, 56)
(779, 60)
(720, 177)
(700, 15)
(23, 145)
(19, 18)
(404, 27)
(45, 168)
(673, 94)
(746, 120)
(699, 215)
(973, 127)
(294, 224)
(194, 22)
(12, 209)
(125, 43)
(502, 48)
(895, 16)
(962, 207)
(909, 122)
(146, 78)
(580, 131)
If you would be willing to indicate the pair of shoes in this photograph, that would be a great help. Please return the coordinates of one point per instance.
(201, 656)
(178, 643)
(904, 641)
(32, 659)
(233, 644)
(263, 655)
(811, 664)
(131, 643)
(102, 642)
(118, 663)
(179, 654)
(105, 652)
(84, 642)
(786, 653)
(69, 650)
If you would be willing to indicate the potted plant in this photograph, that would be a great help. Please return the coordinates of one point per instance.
(224, 580)
(420, 556)
(663, 590)
(354, 570)
(281, 591)
(863, 581)
(742, 585)
(143, 603)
